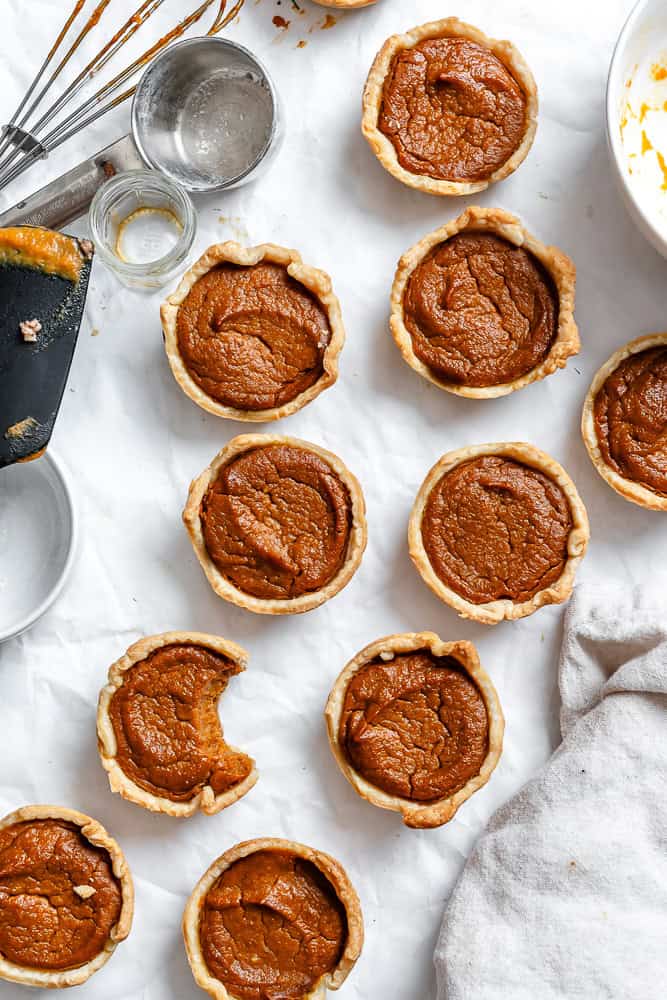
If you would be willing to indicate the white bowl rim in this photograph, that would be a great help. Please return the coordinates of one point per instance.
(62, 476)
(655, 235)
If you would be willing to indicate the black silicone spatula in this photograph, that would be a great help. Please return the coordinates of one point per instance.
(43, 284)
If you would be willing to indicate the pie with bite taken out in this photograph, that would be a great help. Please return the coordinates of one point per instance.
(497, 531)
(159, 734)
(481, 308)
(415, 726)
(272, 920)
(253, 333)
(278, 524)
(449, 111)
(66, 897)
(624, 423)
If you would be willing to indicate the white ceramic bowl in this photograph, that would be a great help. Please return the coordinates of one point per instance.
(38, 536)
(642, 37)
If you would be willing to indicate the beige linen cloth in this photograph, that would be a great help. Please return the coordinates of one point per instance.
(565, 894)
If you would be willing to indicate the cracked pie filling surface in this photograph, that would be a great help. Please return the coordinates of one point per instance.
(272, 920)
(448, 110)
(253, 334)
(415, 725)
(66, 897)
(482, 308)
(497, 531)
(160, 736)
(625, 421)
(278, 524)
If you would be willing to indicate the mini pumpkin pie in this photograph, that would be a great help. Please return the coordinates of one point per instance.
(624, 423)
(415, 726)
(481, 308)
(272, 920)
(448, 110)
(253, 333)
(159, 734)
(497, 531)
(66, 897)
(278, 524)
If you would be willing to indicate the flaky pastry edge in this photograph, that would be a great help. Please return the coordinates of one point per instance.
(494, 612)
(269, 606)
(316, 281)
(419, 816)
(96, 834)
(557, 264)
(205, 800)
(382, 146)
(627, 488)
(330, 868)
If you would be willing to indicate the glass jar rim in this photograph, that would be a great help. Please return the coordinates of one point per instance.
(163, 185)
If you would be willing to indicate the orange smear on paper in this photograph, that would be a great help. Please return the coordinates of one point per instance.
(663, 167)
(659, 72)
(646, 143)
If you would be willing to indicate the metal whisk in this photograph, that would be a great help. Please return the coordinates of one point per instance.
(26, 140)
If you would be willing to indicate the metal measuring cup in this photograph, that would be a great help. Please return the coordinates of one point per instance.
(206, 114)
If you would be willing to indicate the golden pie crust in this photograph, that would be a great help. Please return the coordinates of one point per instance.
(509, 228)
(206, 800)
(223, 587)
(373, 94)
(494, 612)
(316, 281)
(627, 488)
(346, 4)
(418, 815)
(336, 875)
(98, 836)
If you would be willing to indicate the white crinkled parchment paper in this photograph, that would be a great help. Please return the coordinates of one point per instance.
(133, 442)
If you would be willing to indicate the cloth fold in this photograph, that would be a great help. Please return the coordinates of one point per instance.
(565, 893)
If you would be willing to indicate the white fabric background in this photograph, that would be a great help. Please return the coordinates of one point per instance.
(133, 441)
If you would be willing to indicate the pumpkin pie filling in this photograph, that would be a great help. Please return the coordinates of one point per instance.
(166, 724)
(271, 927)
(415, 726)
(253, 337)
(276, 522)
(630, 414)
(494, 529)
(480, 311)
(452, 110)
(59, 898)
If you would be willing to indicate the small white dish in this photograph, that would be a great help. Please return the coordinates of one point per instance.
(38, 536)
(637, 118)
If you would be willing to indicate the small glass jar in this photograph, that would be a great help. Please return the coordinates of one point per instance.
(143, 225)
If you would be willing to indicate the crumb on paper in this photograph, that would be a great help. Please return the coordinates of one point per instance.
(22, 429)
(87, 248)
(94, 332)
(301, 44)
(329, 22)
(30, 330)
(280, 22)
(84, 891)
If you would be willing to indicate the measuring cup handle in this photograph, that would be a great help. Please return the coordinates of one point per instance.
(68, 198)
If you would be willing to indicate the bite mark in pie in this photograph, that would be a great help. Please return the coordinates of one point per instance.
(253, 334)
(272, 920)
(159, 734)
(448, 110)
(498, 531)
(415, 726)
(624, 423)
(481, 308)
(278, 524)
(66, 897)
